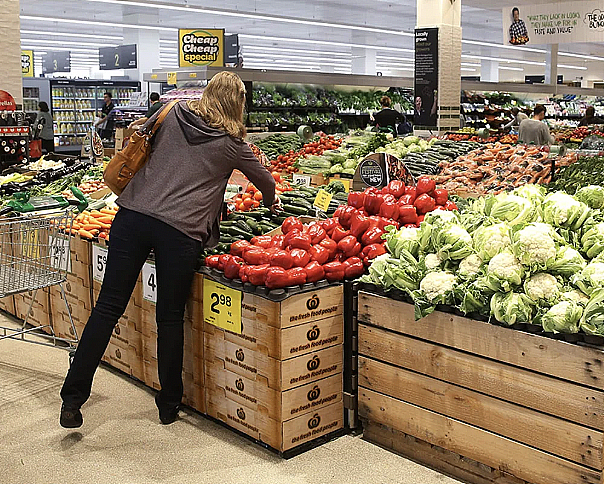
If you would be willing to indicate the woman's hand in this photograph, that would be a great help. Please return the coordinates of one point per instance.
(276, 206)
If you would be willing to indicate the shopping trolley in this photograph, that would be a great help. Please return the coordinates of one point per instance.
(35, 254)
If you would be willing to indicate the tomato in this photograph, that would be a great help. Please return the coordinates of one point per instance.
(248, 202)
(258, 196)
(277, 177)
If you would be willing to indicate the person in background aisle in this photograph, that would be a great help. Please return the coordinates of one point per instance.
(519, 116)
(535, 131)
(44, 126)
(590, 117)
(387, 118)
(105, 123)
(154, 106)
(173, 207)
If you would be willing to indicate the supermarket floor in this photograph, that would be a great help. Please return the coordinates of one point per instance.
(122, 442)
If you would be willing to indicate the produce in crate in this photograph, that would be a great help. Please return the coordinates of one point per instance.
(586, 171)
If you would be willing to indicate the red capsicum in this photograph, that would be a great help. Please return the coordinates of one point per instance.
(420, 219)
(372, 236)
(346, 216)
(277, 241)
(424, 204)
(450, 205)
(231, 268)
(358, 225)
(339, 233)
(425, 184)
(373, 202)
(276, 277)
(291, 223)
(406, 200)
(339, 211)
(296, 276)
(256, 256)
(263, 241)
(334, 271)
(411, 191)
(407, 214)
(222, 260)
(354, 268)
(244, 271)
(212, 261)
(319, 254)
(388, 197)
(371, 252)
(300, 257)
(349, 246)
(441, 196)
(314, 272)
(317, 234)
(300, 241)
(329, 225)
(282, 258)
(389, 210)
(381, 222)
(356, 199)
(287, 238)
(237, 247)
(396, 188)
(331, 245)
(257, 274)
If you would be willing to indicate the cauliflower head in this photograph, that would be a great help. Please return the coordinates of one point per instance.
(535, 245)
(543, 288)
(470, 266)
(432, 262)
(505, 266)
(491, 240)
(437, 284)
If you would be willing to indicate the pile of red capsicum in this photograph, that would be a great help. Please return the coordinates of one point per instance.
(335, 249)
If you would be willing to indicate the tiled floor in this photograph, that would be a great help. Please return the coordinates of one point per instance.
(122, 441)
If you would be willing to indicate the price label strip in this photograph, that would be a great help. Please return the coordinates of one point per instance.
(149, 282)
(99, 262)
(60, 257)
(222, 306)
(322, 201)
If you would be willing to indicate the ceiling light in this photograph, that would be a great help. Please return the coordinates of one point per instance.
(469, 64)
(503, 46)
(304, 51)
(499, 59)
(287, 56)
(67, 43)
(578, 68)
(255, 16)
(504, 68)
(581, 56)
(57, 49)
(97, 22)
(68, 34)
(384, 57)
(467, 69)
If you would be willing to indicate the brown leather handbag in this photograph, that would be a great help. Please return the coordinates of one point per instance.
(127, 162)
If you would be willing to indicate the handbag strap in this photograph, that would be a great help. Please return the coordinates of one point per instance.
(162, 115)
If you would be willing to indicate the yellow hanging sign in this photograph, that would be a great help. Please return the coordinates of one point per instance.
(201, 47)
(221, 306)
(27, 63)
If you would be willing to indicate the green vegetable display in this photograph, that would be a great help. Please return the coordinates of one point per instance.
(586, 171)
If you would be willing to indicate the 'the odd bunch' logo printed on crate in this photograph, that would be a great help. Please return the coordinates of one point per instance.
(201, 47)
(314, 310)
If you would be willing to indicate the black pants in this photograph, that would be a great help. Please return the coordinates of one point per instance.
(48, 145)
(133, 235)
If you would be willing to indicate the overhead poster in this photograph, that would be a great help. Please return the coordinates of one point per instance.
(201, 47)
(554, 23)
(426, 78)
(27, 63)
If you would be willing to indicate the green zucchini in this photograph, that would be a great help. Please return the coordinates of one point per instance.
(242, 225)
(295, 209)
(301, 202)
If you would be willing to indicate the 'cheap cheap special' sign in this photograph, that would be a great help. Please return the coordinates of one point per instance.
(201, 47)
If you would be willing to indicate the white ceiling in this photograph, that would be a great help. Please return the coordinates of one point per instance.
(377, 23)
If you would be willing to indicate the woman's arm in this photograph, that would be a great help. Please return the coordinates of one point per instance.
(248, 164)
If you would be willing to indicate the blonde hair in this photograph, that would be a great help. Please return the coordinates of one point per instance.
(222, 103)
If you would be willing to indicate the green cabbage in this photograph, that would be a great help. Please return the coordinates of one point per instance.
(511, 308)
(592, 242)
(563, 210)
(591, 278)
(592, 195)
(564, 317)
(491, 240)
(568, 262)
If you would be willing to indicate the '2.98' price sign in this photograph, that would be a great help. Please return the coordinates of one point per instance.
(222, 306)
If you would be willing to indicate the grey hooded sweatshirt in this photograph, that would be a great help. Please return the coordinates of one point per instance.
(184, 181)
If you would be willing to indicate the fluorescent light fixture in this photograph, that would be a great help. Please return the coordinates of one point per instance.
(112, 25)
(69, 34)
(469, 64)
(578, 68)
(500, 59)
(58, 49)
(167, 41)
(302, 51)
(504, 68)
(255, 16)
(385, 57)
(292, 62)
(66, 43)
(503, 46)
(467, 69)
(287, 56)
(581, 56)
(395, 68)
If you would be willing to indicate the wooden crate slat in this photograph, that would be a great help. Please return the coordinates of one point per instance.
(517, 459)
(549, 395)
(581, 365)
(551, 434)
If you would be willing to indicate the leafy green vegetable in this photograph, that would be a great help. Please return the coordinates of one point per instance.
(543, 289)
(563, 317)
(593, 240)
(491, 240)
(504, 272)
(405, 238)
(591, 278)
(592, 195)
(568, 261)
(562, 210)
(511, 308)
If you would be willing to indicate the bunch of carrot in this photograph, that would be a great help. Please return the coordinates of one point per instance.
(93, 224)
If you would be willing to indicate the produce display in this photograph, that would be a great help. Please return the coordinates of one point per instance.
(252, 198)
(586, 171)
(94, 224)
(576, 135)
(504, 138)
(525, 258)
(287, 160)
(277, 144)
(498, 168)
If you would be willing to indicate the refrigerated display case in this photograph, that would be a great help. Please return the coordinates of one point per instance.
(76, 104)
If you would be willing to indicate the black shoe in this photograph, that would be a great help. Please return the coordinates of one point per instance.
(167, 415)
(71, 418)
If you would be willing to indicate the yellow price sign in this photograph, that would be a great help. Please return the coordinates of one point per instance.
(193, 75)
(322, 200)
(222, 306)
(153, 76)
(172, 78)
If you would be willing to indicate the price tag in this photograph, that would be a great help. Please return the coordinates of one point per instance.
(172, 78)
(99, 262)
(222, 306)
(149, 283)
(193, 75)
(30, 245)
(60, 257)
(322, 200)
(301, 180)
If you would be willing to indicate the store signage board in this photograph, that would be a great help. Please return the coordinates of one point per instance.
(149, 282)
(554, 23)
(7, 101)
(222, 306)
(56, 62)
(426, 78)
(120, 57)
(27, 63)
(200, 47)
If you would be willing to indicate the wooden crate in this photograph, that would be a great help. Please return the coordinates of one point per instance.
(8, 304)
(40, 310)
(523, 406)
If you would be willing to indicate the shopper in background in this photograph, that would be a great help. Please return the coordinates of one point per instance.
(172, 206)
(519, 116)
(535, 131)
(590, 117)
(154, 106)
(388, 118)
(43, 125)
(105, 123)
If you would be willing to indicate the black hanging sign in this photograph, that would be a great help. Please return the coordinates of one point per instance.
(120, 57)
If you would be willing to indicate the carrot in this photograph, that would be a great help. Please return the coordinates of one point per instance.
(85, 234)
(103, 225)
(91, 226)
(105, 220)
(108, 211)
(76, 226)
